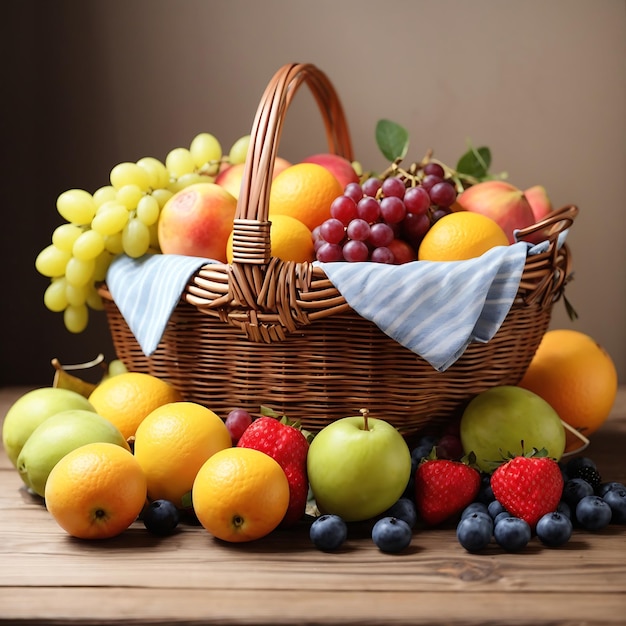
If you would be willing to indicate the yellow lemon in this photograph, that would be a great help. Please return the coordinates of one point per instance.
(173, 442)
(460, 236)
(127, 398)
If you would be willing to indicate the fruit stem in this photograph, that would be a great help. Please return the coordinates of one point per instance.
(365, 413)
(78, 366)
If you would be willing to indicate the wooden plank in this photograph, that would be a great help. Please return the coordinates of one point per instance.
(37, 551)
(363, 608)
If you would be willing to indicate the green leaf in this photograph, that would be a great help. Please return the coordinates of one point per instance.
(392, 139)
(571, 311)
(475, 162)
(186, 501)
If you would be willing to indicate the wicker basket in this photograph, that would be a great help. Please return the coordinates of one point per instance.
(261, 331)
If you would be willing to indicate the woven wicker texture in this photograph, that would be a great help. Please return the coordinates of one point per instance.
(264, 332)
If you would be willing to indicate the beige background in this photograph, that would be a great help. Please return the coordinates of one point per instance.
(90, 84)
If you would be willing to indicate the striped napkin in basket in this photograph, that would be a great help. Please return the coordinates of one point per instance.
(147, 290)
(434, 309)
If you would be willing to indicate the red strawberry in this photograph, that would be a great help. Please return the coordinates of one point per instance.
(444, 488)
(528, 486)
(287, 445)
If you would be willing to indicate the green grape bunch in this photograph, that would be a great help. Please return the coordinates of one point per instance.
(120, 218)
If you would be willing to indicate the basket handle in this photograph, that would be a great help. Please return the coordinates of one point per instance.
(539, 285)
(251, 236)
(556, 222)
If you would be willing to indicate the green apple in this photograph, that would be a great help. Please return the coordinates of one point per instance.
(358, 467)
(33, 408)
(507, 419)
(58, 435)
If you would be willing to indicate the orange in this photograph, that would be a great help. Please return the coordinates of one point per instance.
(304, 191)
(127, 398)
(173, 442)
(460, 236)
(576, 376)
(240, 494)
(291, 240)
(96, 491)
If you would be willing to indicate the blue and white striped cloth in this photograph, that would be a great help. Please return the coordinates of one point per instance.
(435, 309)
(147, 290)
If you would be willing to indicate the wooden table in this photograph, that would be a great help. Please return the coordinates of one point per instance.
(46, 577)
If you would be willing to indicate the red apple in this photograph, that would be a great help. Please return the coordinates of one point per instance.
(539, 201)
(280, 164)
(402, 251)
(230, 177)
(502, 202)
(541, 206)
(337, 165)
(197, 221)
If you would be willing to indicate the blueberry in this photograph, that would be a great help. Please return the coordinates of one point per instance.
(512, 533)
(616, 499)
(593, 513)
(403, 509)
(574, 490)
(409, 490)
(500, 516)
(474, 507)
(391, 534)
(602, 488)
(161, 517)
(485, 492)
(564, 509)
(328, 532)
(423, 448)
(554, 529)
(474, 531)
(495, 508)
(574, 465)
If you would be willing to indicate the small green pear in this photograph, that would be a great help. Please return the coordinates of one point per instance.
(33, 408)
(57, 436)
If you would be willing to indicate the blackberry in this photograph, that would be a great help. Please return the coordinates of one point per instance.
(585, 468)
(589, 474)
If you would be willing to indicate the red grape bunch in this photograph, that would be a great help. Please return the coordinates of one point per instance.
(384, 219)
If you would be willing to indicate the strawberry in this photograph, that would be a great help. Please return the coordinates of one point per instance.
(288, 446)
(444, 488)
(528, 486)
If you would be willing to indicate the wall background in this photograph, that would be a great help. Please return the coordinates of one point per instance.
(89, 84)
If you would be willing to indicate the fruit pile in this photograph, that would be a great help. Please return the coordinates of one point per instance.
(323, 208)
(130, 448)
